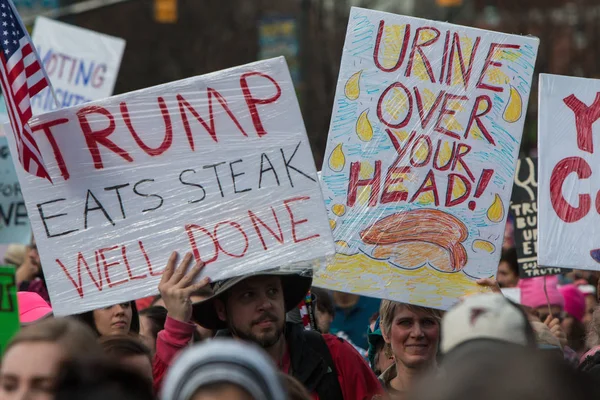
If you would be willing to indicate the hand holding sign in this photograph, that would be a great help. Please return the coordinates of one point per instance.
(176, 286)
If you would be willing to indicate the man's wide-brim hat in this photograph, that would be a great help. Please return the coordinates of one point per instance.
(295, 285)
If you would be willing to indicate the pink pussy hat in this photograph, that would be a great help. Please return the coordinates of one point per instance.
(574, 301)
(532, 292)
(32, 307)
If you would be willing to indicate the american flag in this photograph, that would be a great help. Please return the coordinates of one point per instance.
(21, 77)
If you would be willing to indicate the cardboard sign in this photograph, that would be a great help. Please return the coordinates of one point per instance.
(423, 142)
(218, 165)
(81, 64)
(524, 210)
(569, 184)
(9, 310)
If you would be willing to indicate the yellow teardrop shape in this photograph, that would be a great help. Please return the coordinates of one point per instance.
(342, 243)
(352, 89)
(364, 130)
(332, 224)
(338, 209)
(337, 159)
(483, 245)
(514, 108)
(496, 211)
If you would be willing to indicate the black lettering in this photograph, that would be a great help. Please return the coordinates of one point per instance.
(263, 156)
(214, 166)
(4, 152)
(98, 207)
(234, 175)
(116, 189)
(21, 214)
(48, 217)
(135, 190)
(6, 218)
(192, 184)
(288, 166)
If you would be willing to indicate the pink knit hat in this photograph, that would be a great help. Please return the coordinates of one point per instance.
(32, 307)
(574, 301)
(532, 292)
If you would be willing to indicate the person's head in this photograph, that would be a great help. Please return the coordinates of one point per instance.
(380, 355)
(201, 332)
(589, 293)
(223, 369)
(32, 308)
(325, 310)
(593, 335)
(508, 269)
(253, 307)
(486, 323)
(574, 312)
(100, 379)
(117, 319)
(515, 375)
(129, 352)
(152, 321)
(15, 254)
(31, 360)
(533, 296)
(295, 390)
(412, 332)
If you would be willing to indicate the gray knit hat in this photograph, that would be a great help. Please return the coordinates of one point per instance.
(223, 361)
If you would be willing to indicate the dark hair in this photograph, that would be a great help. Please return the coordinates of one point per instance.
(295, 390)
(324, 300)
(88, 319)
(157, 316)
(511, 258)
(121, 346)
(100, 379)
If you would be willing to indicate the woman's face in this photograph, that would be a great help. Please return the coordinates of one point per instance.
(414, 337)
(29, 371)
(113, 320)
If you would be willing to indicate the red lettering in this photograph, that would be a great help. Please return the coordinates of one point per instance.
(240, 230)
(97, 76)
(252, 101)
(417, 48)
(428, 185)
(476, 117)
(148, 263)
(398, 147)
(393, 196)
(190, 228)
(457, 50)
(295, 223)
(109, 265)
(128, 267)
(166, 143)
(64, 172)
(461, 199)
(561, 171)
(79, 284)
(94, 138)
(402, 53)
(445, 56)
(355, 182)
(425, 119)
(406, 120)
(489, 62)
(416, 148)
(256, 220)
(459, 159)
(445, 111)
(436, 157)
(584, 119)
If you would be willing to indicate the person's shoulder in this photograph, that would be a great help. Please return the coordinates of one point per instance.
(339, 347)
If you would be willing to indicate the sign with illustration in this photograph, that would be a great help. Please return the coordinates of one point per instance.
(423, 142)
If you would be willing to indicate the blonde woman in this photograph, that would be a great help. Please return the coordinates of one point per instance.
(412, 336)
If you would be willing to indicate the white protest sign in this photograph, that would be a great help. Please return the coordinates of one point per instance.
(82, 65)
(219, 165)
(422, 147)
(569, 179)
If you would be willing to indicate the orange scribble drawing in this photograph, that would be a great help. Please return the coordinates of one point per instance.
(424, 233)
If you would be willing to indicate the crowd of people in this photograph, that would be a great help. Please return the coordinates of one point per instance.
(241, 338)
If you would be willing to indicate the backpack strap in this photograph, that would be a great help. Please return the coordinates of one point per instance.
(329, 386)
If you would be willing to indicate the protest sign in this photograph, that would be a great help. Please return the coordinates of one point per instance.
(9, 310)
(523, 208)
(81, 64)
(218, 165)
(568, 199)
(421, 154)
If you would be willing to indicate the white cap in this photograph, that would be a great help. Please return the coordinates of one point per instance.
(485, 317)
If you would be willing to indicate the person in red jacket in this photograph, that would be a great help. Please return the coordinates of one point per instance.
(253, 308)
